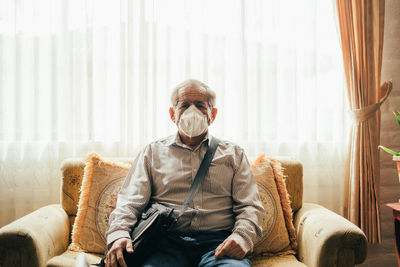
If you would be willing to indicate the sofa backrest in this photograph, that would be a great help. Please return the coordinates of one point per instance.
(72, 172)
(293, 171)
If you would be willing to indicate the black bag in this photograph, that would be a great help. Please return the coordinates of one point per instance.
(157, 219)
(154, 222)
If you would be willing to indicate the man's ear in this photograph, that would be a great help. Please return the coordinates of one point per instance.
(172, 114)
(214, 112)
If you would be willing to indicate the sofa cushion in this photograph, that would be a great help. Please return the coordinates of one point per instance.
(101, 183)
(278, 231)
(67, 259)
(277, 261)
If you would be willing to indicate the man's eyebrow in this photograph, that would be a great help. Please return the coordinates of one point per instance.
(195, 102)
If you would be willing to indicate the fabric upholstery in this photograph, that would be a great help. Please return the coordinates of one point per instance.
(34, 238)
(72, 170)
(277, 261)
(293, 172)
(100, 186)
(278, 230)
(67, 259)
(72, 173)
(327, 239)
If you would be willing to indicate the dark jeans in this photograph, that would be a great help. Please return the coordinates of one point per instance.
(190, 249)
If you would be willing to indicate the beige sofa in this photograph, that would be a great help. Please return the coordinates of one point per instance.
(41, 238)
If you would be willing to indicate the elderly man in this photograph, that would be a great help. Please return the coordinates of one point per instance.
(223, 221)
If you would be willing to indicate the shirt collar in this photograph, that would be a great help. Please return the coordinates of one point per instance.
(176, 140)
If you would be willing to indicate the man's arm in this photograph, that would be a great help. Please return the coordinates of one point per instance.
(248, 210)
(132, 198)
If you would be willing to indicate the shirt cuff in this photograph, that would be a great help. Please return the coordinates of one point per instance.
(116, 235)
(242, 240)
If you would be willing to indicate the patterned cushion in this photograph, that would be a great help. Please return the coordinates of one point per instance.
(101, 183)
(278, 230)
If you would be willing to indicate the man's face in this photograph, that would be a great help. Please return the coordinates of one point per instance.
(197, 97)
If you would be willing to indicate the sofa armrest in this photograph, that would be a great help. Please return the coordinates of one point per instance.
(35, 238)
(327, 239)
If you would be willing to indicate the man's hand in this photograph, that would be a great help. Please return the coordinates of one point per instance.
(116, 252)
(230, 248)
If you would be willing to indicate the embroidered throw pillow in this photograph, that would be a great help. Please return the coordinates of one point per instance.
(278, 236)
(101, 183)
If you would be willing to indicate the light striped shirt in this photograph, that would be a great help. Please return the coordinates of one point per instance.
(163, 173)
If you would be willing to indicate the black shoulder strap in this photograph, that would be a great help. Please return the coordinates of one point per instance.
(201, 173)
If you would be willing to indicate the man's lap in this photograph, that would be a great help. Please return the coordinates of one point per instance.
(196, 249)
(208, 260)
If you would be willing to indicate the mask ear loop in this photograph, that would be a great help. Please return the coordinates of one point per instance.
(209, 115)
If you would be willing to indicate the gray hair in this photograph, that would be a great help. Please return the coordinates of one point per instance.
(196, 83)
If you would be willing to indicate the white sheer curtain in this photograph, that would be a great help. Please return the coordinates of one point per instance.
(80, 76)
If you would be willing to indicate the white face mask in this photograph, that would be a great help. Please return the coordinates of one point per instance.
(192, 122)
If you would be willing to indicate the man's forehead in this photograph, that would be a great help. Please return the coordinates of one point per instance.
(192, 94)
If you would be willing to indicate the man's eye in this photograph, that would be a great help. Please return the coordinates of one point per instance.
(184, 105)
(200, 106)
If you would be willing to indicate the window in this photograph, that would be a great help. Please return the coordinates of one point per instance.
(78, 76)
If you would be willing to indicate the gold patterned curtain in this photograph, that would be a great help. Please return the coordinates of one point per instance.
(361, 25)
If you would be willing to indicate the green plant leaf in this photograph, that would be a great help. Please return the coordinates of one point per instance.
(394, 153)
(397, 116)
